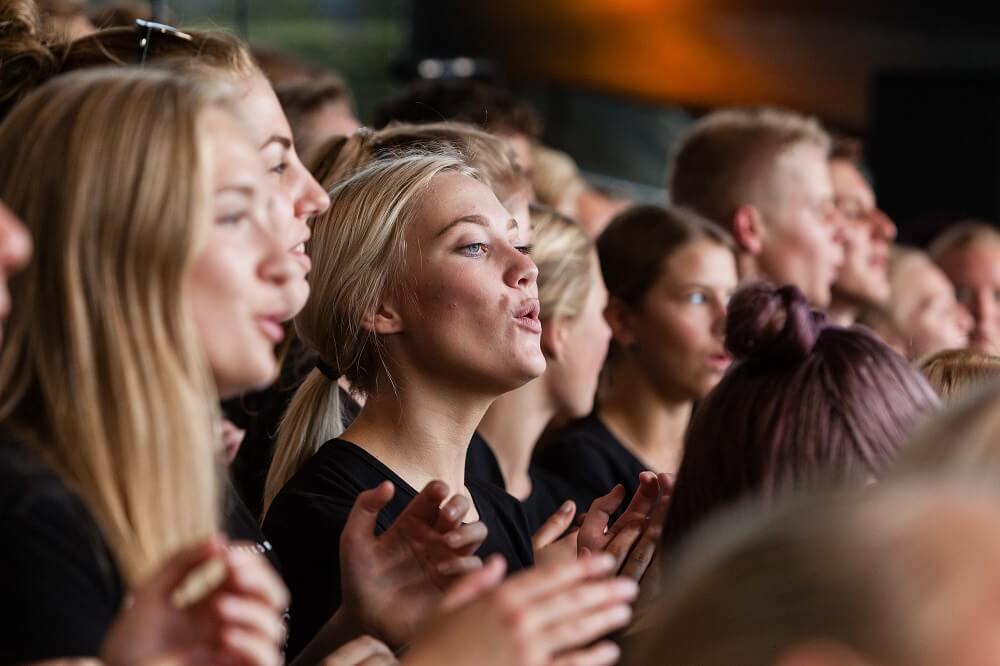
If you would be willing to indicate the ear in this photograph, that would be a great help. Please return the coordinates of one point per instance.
(553, 340)
(748, 228)
(616, 314)
(384, 320)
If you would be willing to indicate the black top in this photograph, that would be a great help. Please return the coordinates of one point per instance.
(61, 588)
(307, 517)
(591, 460)
(259, 413)
(481, 463)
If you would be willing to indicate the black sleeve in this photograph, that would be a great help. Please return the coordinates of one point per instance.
(305, 531)
(61, 591)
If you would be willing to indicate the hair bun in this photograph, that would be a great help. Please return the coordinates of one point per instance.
(771, 325)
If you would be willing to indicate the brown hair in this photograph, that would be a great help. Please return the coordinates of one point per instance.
(954, 372)
(27, 60)
(339, 157)
(303, 98)
(725, 160)
(847, 148)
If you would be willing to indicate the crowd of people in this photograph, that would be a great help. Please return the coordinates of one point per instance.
(276, 386)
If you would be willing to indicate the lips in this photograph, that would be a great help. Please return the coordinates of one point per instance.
(720, 361)
(527, 316)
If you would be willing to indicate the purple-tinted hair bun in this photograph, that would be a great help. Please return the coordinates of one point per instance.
(771, 325)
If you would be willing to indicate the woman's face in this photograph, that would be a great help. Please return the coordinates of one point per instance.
(677, 334)
(239, 277)
(925, 309)
(468, 311)
(15, 251)
(580, 345)
(299, 196)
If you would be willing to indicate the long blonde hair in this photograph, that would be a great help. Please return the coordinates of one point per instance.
(101, 370)
(357, 250)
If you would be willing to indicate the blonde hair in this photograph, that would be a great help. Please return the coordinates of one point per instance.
(357, 249)
(727, 156)
(556, 179)
(564, 255)
(859, 569)
(101, 370)
(960, 235)
(339, 157)
(954, 371)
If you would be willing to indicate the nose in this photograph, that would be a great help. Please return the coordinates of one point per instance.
(311, 199)
(964, 319)
(15, 243)
(883, 225)
(521, 272)
(719, 320)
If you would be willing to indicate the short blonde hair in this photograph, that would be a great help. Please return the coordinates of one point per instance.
(565, 257)
(953, 372)
(555, 178)
(728, 154)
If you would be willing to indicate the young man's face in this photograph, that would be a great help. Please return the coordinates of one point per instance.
(800, 236)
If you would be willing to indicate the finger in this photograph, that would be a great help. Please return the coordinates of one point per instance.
(245, 647)
(251, 574)
(425, 507)
(553, 528)
(644, 552)
(380, 660)
(466, 539)
(666, 483)
(623, 542)
(602, 654)
(251, 616)
(358, 651)
(452, 512)
(360, 525)
(643, 501)
(584, 628)
(594, 527)
(181, 565)
(579, 601)
(475, 584)
(547, 579)
(459, 566)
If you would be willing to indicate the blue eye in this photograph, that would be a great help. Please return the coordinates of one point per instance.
(696, 298)
(474, 249)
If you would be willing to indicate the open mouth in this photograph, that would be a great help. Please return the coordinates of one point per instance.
(271, 328)
(527, 316)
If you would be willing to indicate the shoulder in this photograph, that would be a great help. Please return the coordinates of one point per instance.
(505, 518)
(580, 443)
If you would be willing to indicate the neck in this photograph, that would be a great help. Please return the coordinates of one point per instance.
(512, 426)
(647, 423)
(843, 311)
(419, 431)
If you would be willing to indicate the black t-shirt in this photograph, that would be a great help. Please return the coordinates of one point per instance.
(591, 461)
(307, 517)
(60, 587)
(260, 413)
(481, 463)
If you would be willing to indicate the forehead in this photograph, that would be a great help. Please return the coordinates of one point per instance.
(847, 180)
(451, 196)
(263, 111)
(702, 261)
(230, 145)
(802, 169)
(917, 275)
(975, 263)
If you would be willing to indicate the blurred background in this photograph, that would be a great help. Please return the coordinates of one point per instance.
(617, 81)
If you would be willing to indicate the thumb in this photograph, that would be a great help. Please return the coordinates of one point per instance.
(473, 585)
(360, 523)
(173, 572)
(554, 527)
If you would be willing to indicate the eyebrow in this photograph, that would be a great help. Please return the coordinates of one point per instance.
(477, 220)
(275, 138)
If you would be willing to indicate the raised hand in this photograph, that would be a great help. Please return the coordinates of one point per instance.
(237, 621)
(545, 616)
(364, 651)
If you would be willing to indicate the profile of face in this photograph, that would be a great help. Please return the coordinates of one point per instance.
(15, 251)
(575, 349)
(867, 233)
(520, 144)
(974, 269)
(237, 284)
(925, 309)
(298, 195)
(466, 314)
(799, 240)
(677, 333)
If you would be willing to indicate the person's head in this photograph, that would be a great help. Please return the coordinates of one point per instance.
(953, 372)
(124, 14)
(669, 275)
(212, 55)
(969, 255)
(805, 403)
(318, 109)
(64, 19)
(556, 180)
(572, 297)
(903, 574)
(15, 251)
(463, 100)
(156, 294)
(867, 232)
(420, 284)
(339, 157)
(923, 306)
(763, 176)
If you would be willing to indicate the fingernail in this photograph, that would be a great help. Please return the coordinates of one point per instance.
(451, 513)
(626, 587)
(604, 561)
(566, 507)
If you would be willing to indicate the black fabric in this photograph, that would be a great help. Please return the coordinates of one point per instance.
(591, 461)
(481, 463)
(307, 517)
(61, 589)
(548, 492)
(260, 413)
(240, 525)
